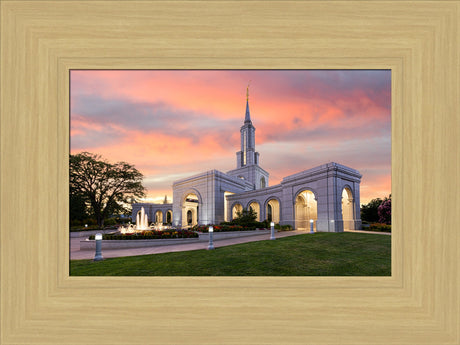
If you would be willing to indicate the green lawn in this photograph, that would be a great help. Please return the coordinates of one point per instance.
(321, 254)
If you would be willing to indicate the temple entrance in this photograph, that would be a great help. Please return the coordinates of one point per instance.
(347, 209)
(235, 209)
(273, 211)
(158, 217)
(190, 209)
(305, 210)
(256, 208)
(169, 217)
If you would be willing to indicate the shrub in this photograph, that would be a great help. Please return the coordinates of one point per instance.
(286, 227)
(89, 221)
(379, 227)
(226, 227)
(149, 235)
(265, 224)
(246, 218)
(75, 223)
(110, 221)
(83, 228)
(369, 212)
(384, 211)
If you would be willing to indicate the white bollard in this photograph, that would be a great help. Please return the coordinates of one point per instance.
(211, 244)
(272, 227)
(98, 256)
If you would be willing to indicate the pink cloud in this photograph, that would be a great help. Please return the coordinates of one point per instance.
(166, 122)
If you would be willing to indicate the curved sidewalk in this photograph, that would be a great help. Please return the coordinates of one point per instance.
(77, 254)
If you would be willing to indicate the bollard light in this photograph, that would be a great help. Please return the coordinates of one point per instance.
(211, 244)
(311, 226)
(98, 256)
(86, 225)
(272, 228)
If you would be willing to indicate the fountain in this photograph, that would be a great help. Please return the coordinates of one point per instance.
(142, 221)
(142, 224)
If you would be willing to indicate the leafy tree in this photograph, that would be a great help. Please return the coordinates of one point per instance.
(78, 209)
(369, 212)
(105, 187)
(246, 218)
(384, 211)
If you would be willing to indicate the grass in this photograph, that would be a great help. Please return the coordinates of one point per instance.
(321, 254)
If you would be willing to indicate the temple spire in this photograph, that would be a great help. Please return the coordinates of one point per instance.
(247, 117)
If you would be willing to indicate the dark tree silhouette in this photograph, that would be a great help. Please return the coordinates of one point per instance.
(105, 187)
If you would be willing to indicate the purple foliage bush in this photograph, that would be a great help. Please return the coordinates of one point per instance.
(384, 211)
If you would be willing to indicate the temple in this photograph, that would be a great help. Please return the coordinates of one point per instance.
(327, 194)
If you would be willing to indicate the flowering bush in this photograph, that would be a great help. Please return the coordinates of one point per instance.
(379, 227)
(149, 235)
(384, 211)
(220, 228)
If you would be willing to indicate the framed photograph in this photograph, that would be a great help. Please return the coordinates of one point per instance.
(42, 41)
(197, 159)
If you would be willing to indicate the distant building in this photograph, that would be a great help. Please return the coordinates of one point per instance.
(327, 194)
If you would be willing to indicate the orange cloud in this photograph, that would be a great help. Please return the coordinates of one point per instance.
(168, 122)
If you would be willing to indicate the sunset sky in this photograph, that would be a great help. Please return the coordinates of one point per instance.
(173, 124)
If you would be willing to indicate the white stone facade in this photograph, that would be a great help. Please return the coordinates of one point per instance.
(328, 194)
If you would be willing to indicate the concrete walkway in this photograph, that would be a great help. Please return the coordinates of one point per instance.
(77, 254)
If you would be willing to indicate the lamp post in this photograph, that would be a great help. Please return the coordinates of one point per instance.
(98, 256)
(311, 226)
(211, 244)
(272, 227)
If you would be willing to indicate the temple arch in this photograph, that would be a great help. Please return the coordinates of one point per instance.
(191, 202)
(255, 206)
(169, 217)
(158, 217)
(306, 209)
(272, 209)
(236, 207)
(347, 208)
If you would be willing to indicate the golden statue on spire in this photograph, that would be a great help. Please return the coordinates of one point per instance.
(247, 91)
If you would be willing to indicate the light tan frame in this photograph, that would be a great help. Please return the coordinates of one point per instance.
(417, 40)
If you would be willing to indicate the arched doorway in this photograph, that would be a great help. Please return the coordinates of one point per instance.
(158, 217)
(347, 209)
(273, 211)
(236, 209)
(190, 210)
(256, 208)
(305, 210)
(169, 217)
(189, 217)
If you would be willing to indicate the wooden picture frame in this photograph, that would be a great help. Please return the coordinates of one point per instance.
(42, 40)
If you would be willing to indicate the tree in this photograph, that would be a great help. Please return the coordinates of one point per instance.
(369, 212)
(105, 187)
(78, 210)
(245, 217)
(384, 211)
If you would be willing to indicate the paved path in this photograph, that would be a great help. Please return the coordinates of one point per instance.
(77, 254)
